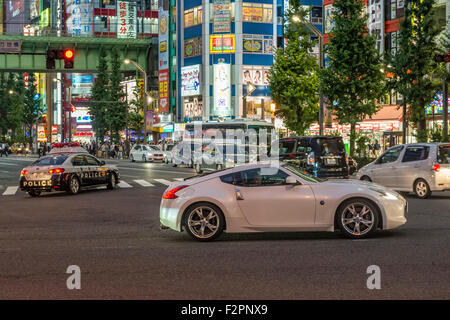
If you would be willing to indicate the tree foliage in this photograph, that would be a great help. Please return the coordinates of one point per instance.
(100, 94)
(353, 79)
(294, 74)
(31, 106)
(413, 64)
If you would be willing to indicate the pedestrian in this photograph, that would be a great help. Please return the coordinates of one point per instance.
(39, 150)
(376, 148)
(120, 151)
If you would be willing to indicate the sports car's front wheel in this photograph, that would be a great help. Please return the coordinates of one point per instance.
(204, 222)
(357, 218)
(34, 193)
(112, 181)
(74, 185)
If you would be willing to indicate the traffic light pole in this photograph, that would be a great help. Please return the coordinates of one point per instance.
(445, 111)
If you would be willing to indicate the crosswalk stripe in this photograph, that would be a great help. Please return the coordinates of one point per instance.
(123, 184)
(163, 181)
(8, 164)
(179, 179)
(10, 191)
(144, 183)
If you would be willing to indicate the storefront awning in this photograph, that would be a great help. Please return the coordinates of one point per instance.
(387, 113)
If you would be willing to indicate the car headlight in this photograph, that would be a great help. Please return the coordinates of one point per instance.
(385, 194)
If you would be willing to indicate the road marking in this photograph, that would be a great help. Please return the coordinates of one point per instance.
(123, 184)
(8, 164)
(10, 191)
(144, 183)
(179, 179)
(163, 181)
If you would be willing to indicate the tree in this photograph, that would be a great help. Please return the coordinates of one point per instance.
(294, 74)
(135, 116)
(413, 64)
(117, 108)
(3, 106)
(31, 106)
(353, 80)
(100, 94)
(14, 98)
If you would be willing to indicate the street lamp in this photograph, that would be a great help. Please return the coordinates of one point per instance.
(146, 97)
(10, 92)
(319, 35)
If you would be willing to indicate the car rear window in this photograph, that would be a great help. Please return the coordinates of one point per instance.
(287, 146)
(327, 146)
(50, 161)
(444, 154)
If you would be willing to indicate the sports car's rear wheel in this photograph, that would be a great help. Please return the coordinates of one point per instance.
(34, 193)
(204, 222)
(357, 218)
(366, 178)
(112, 181)
(74, 185)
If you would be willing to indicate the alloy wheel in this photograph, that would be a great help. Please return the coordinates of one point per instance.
(74, 185)
(203, 222)
(421, 189)
(357, 218)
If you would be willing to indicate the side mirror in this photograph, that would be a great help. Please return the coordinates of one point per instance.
(291, 180)
(103, 162)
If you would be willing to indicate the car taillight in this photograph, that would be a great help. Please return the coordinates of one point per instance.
(436, 167)
(58, 170)
(24, 172)
(171, 194)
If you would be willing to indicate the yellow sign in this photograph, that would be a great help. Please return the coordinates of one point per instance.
(45, 18)
(222, 43)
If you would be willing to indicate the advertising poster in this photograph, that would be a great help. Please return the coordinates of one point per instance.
(126, 19)
(192, 47)
(163, 79)
(329, 14)
(252, 46)
(14, 16)
(193, 107)
(222, 89)
(258, 75)
(221, 16)
(34, 9)
(163, 39)
(81, 86)
(80, 17)
(190, 80)
(376, 22)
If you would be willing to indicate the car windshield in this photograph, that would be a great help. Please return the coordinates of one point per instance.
(444, 154)
(302, 174)
(287, 146)
(328, 146)
(50, 161)
(155, 148)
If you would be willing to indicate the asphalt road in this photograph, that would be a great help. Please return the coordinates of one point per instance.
(114, 237)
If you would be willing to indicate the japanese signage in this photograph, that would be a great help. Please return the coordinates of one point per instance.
(80, 18)
(222, 89)
(163, 39)
(193, 107)
(81, 86)
(221, 16)
(252, 46)
(223, 43)
(45, 18)
(10, 46)
(34, 9)
(376, 22)
(190, 80)
(163, 105)
(329, 14)
(126, 19)
(193, 47)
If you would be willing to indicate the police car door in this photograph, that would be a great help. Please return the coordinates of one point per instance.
(79, 164)
(95, 173)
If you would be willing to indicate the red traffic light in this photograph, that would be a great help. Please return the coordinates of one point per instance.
(69, 54)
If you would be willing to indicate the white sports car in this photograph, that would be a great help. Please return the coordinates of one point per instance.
(264, 198)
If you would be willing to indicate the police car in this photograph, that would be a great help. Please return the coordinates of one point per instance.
(68, 167)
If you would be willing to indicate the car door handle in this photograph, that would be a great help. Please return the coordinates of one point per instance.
(239, 195)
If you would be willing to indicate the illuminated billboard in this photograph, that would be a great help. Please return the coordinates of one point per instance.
(222, 89)
(80, 17)
(126, 19)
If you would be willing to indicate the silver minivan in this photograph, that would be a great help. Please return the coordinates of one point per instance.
(420, 168)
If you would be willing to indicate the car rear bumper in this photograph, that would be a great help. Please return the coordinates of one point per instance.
(56, 183)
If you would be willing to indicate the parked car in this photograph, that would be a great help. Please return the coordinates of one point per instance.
(421, 168)
(184, 153)
(18, 148)
(144, 153)
(261, 198)
(321, 156)
(168, 153)
(352, 166)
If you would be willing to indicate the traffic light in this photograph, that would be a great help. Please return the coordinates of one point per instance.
(51, 56)
(67, 55)
(442, 58)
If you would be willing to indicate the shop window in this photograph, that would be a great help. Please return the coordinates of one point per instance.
(316, 15)
(256, 12)
(193, 17)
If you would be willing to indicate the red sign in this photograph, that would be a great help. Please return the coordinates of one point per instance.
(54, 129)
(163, 103)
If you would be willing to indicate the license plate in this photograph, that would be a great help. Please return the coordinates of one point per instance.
(331, 161)
(37, 183)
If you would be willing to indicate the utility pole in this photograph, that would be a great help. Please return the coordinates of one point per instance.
(445, 111)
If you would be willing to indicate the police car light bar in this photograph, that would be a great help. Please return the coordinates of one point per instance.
(66, 145)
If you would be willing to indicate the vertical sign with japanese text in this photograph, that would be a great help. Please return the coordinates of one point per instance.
(80, 17)
(126, 19)
(163, 79)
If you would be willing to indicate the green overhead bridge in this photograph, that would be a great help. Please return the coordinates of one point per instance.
(32, 57)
